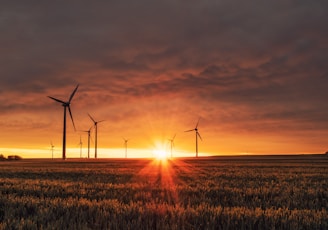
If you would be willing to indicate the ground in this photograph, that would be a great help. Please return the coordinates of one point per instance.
(263, 192)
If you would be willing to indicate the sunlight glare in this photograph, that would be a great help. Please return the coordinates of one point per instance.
(160, 154)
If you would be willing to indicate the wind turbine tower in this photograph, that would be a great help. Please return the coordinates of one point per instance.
(197, 135)
(80, 146)
(126, 147)
(96, 132)
(52, 149)
(88, 131)
(172, 144)
(66, 104)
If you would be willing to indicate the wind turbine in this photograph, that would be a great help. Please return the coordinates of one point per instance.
(80, 144)
(197, 135)
(96, 132)
(172, 143)
(88, 131)
(66, 105)
(52, 149)
(126, 146)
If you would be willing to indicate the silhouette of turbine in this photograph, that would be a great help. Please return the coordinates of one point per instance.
(197, 135)
(96, 132)
(66, 105)
(172, 143)
(80, 144)
(88, 131)
(52, 149)
(126, 146)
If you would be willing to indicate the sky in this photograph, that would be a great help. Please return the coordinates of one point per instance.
(254, 73)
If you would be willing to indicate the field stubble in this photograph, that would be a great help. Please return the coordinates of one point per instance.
(208, 193)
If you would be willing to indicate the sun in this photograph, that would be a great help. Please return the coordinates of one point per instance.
(160, 154)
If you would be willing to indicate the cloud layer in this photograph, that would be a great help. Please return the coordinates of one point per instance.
(255, 72)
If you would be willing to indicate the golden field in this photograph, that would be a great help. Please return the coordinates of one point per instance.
(249, 192)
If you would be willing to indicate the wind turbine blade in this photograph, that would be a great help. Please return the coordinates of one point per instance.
(174, 137)
(82, 130)
(72, 95)
(70, 113)
(92, 139)
(199, 136)
(55, 99)
(197, 123)
(92, 118)
(90, 130)
(101, 121)
(190, 130)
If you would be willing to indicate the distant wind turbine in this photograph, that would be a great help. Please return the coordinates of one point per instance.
(197, 135)
(126, 146)
(66, 105)
(80, 146)
(88, 131)
(52, 149)
(172, 143)
(96, 132)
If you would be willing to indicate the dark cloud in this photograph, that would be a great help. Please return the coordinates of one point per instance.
(263, 62)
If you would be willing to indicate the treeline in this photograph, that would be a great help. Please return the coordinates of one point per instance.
(10, 158)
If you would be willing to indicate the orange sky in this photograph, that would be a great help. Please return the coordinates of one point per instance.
(255, 74)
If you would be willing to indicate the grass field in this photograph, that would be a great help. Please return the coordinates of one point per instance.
(271, 192)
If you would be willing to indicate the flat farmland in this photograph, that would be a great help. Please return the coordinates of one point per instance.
(263, 192)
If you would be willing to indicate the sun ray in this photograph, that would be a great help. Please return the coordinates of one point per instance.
(160, 154)
(161, 176)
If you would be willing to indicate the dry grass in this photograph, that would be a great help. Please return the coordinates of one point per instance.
(210, 193)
